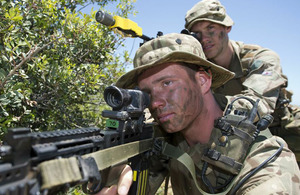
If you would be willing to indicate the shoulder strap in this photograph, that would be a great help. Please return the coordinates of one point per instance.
(177, 154)
(66, 170)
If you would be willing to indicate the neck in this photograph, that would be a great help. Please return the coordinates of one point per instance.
(200, 130)
(224, 58)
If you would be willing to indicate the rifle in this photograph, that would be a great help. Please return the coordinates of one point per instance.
(47, 162)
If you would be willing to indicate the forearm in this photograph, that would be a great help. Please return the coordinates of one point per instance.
(266, 105)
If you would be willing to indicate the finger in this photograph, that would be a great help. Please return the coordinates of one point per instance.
(125, 180)
(112, 190)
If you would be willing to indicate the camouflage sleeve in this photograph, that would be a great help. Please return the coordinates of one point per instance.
(263, 81)
(280, 176)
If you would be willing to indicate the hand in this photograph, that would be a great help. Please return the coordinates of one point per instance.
(123, 186)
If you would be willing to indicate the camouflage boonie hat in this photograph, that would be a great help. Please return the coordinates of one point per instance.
(172, 47)
(208, 10)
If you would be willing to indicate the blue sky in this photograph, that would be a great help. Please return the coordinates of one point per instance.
(269, 23)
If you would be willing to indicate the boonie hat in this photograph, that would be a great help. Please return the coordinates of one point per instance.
(209, 10)
(172, 47)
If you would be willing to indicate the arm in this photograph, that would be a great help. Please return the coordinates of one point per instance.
(280, 176)
(264, 80)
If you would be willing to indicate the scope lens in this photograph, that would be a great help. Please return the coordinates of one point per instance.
(114, 98)
(117, 98)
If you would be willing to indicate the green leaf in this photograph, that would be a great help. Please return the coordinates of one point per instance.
(2, 74)
(17, 18)
(5, 101)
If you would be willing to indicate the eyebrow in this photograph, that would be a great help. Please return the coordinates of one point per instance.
(163, 78)
(147, 89)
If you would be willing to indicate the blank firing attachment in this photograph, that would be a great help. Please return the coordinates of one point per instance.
(123, 26)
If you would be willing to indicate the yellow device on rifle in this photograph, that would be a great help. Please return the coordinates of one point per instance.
(123, 26)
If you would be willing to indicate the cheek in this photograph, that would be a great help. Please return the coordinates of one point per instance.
(177, 96)
(211, 34)
(187, 102)
(188, 109)
(192, 103)
(222, 37)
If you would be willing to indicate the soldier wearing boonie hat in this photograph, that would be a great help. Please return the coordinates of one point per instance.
(208, 10)
(258, 73)
(186, 109)
(172, 48)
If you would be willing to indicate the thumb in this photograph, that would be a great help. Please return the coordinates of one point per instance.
(125, 181)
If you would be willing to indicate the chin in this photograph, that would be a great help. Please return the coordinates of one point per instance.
(171, 130)
(209, 55)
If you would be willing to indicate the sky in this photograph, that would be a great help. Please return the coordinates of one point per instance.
(271, 24)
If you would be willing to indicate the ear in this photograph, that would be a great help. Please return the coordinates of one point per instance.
(227, 29)
(204, 79)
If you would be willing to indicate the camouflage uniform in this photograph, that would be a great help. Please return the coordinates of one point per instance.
(258, 75)
(280, 175)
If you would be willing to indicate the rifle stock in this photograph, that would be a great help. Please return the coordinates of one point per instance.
(45, 162)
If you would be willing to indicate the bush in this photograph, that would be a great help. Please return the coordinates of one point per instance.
(55, 63)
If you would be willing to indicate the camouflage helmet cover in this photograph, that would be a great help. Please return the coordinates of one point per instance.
(172, 47)
(208, 10)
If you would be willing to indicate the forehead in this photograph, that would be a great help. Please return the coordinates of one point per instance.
(162, 70)
(203, 24)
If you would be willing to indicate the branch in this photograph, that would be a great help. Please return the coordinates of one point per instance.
(84, 7)
(33, 51)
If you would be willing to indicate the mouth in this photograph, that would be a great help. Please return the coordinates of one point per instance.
(207, 47)
(165, 117)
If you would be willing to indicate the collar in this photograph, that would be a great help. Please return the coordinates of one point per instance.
(235, 63)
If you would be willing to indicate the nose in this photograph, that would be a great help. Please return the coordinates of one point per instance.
(201, 37)
(205, 37)
(157, 101)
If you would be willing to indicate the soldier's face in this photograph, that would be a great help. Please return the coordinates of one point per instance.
(176, 99)
(213, 37)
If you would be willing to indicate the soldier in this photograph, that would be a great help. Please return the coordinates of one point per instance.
(174, 71)
(258, 73)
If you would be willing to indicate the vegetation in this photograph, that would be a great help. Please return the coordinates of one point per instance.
(56, 62)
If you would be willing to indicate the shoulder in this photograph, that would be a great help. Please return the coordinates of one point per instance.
(253, 57)
(269, 146)
(253, 51)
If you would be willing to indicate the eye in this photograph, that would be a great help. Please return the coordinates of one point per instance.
(210, 27)
(197, 35)
(167, 83)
